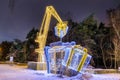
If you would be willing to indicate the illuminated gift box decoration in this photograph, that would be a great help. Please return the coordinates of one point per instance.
(77, 58)
(55, 55)
(67, 54)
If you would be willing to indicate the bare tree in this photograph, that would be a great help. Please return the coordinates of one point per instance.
(114, 16)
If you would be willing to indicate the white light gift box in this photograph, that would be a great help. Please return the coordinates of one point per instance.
(56, 55)
(76, 58)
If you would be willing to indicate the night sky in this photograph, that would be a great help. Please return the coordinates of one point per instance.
(26, 14)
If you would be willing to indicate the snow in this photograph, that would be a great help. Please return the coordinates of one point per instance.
(8, 72)
(111, 76)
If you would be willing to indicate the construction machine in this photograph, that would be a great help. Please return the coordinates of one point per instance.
(60, 30)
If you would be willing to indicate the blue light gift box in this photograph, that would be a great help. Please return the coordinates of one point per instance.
(68, 54)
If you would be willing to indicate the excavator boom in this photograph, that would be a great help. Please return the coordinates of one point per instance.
(42, 35)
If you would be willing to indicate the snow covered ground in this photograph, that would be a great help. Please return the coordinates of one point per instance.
(8, 72)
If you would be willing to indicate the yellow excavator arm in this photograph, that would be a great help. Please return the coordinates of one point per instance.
(42, 35)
